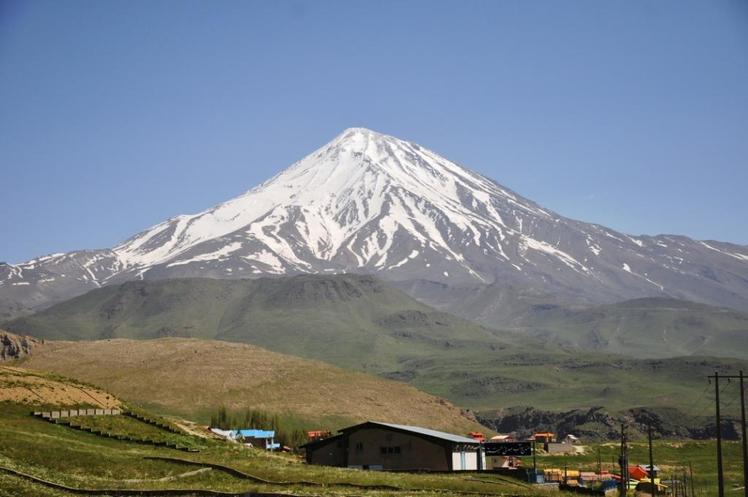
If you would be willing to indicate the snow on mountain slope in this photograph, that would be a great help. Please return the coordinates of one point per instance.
(349, 198)
(368, 202)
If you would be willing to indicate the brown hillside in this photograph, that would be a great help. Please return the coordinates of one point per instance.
(33, 388)
(193, 377)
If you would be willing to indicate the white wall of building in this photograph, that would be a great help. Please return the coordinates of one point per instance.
(462, 461)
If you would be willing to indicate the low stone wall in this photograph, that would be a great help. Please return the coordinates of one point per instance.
(127, 438)
(69, 413)
(63, 417)
(153, 422)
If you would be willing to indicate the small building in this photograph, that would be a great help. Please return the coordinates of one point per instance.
(571, 440)
(317, 434)
(264, 439)
(645, 486)
(641, 471)
(503, 438)
(386, 446)
(476, 435)
(543, 437)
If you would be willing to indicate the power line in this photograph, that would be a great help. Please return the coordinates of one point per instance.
(720, 471)
(717, 391)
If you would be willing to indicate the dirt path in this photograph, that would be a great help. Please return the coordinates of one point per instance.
(168, 478)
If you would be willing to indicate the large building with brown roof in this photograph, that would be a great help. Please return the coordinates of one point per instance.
(387, 446)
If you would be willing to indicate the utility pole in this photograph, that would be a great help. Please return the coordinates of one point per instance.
(745, 441)
(690, 479)
(720, 471)
(623, 461)
(678, 484)
(651, 464)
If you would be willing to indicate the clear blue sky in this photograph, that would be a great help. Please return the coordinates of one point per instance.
(115, 115)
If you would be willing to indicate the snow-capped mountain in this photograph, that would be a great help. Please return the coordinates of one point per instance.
(368, 202)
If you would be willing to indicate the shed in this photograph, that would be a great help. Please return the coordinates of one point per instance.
(503, 438)
(641, 471)
(543, 437)
(259, 438)
(571, 439)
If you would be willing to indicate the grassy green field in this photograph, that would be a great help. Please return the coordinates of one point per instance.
(351, 321)
(649, 327)
(672, 456)
(551, 381)
(652, 327)
(83, 460)
(130, 427)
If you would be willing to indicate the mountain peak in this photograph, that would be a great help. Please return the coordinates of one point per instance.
(359, 140)
(372, 203)
(357, 130)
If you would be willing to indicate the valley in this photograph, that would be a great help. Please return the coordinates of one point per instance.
(374, 280)
(357, 323)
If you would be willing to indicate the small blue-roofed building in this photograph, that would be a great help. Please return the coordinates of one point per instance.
(264, 439)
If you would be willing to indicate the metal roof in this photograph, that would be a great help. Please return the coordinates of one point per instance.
(256, 433)
(427, 432)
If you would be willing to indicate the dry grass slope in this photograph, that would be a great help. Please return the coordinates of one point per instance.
(27, 387)
(190, 377)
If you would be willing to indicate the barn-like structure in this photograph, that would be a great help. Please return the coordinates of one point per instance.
(387, 446)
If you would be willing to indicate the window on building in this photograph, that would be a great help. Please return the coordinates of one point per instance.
(359, 446)
(390, 450)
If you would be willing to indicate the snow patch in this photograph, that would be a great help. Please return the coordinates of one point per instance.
(219, 254)
(736, 255)
(547, 248)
